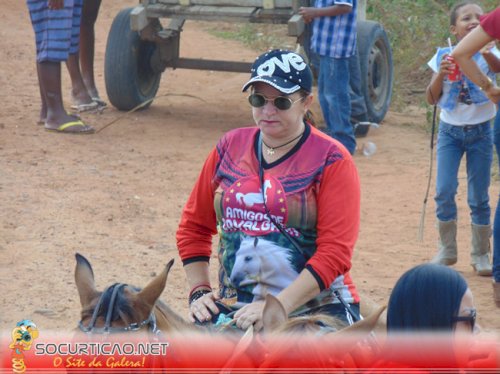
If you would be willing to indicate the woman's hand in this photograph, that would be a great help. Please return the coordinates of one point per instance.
(250, 314)
(202, 309)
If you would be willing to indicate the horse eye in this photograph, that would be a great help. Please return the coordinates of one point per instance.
(248, 258)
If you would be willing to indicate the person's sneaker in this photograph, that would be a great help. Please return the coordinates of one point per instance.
(361, 128)
(361, 124)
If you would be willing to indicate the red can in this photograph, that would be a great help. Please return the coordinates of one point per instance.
(456, 74)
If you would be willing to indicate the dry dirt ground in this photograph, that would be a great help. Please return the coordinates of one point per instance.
(116, 196)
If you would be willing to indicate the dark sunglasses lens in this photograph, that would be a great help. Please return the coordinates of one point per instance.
(282, 103)
(256, 100)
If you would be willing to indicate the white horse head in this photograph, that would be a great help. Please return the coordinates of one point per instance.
(247, 264)
(262, 263)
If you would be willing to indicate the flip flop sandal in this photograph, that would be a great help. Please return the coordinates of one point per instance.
(100, 102)
(85, 107)
(64, 128)
(41, 122)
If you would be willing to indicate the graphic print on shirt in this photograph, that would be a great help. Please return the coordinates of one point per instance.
(265, 265)
(244, 210)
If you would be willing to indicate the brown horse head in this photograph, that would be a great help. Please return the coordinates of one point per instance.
(121, 307)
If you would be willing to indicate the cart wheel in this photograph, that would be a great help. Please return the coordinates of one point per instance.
(130, 79)
(375, 60)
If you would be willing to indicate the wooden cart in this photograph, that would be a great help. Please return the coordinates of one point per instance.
(140, 48)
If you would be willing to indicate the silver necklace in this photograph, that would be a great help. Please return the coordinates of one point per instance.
(272, 150)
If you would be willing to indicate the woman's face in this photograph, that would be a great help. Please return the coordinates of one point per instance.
(467, 311)
(275, 123)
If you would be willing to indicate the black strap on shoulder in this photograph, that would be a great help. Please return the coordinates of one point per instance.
(268, 213)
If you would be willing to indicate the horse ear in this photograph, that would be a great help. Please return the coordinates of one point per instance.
(274, 313)
(153, 290)
(84, 279)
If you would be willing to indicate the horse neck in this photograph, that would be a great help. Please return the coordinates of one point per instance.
(169, 321)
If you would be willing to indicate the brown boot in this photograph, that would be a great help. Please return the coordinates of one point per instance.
(496, 293)
(447, 246)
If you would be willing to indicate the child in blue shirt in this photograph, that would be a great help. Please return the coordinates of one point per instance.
(334, 41)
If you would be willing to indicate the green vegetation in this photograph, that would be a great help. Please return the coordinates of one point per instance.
(415, 28)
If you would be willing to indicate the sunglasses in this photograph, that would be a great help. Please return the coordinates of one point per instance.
(471, 318)
(280, 102)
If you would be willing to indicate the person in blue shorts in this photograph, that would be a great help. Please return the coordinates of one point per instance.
(56, 24)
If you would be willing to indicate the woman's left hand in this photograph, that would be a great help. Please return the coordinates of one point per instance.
(250, 314)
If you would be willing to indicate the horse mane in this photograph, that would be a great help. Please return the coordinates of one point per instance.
(167, 317)
(311, 324)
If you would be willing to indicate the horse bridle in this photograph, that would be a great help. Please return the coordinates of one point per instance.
(107, 329)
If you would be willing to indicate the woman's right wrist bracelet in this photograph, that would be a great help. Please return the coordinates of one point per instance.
(205, 286)
(198, 294)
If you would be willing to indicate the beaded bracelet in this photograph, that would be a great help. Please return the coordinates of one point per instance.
(198, 294)
(202, 285)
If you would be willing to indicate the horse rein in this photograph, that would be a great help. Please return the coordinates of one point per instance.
(107, 329)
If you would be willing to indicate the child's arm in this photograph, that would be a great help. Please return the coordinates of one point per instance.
(309, 13)
(55, 4)
(492, 60)
(435, 88)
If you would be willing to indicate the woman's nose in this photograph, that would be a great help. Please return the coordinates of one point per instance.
(269, 107)
(475, 20)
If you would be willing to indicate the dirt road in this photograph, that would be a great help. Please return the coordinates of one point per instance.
(116, 196)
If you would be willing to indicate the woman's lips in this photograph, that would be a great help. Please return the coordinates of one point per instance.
(268, 122)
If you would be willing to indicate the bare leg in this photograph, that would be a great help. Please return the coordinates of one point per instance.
(87, 44)
(50, 86)
(78, 92)
(43, 110)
